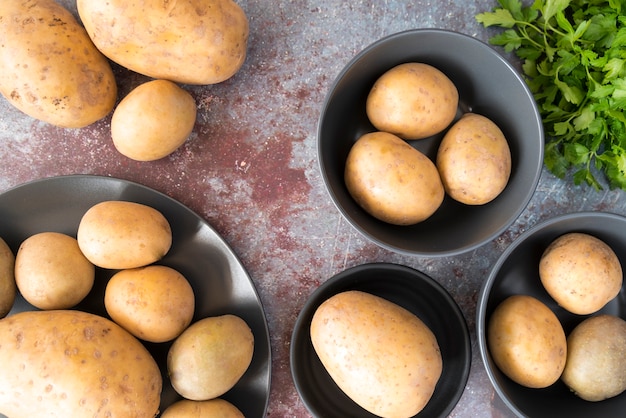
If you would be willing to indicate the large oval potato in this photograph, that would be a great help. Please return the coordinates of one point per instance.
(51, 271)
(49, 68)
(185, 41)
(72, 364)
(581, 272)
(154, 303)
(213, 408)
(210, 357)
(381, 355)
(117, 234)
(391, 180)
(412, 100)
(153, 120)
(527, 341)
(8, 288)
(474, 160)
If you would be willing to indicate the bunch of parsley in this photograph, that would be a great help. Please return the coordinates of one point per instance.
(573, 56)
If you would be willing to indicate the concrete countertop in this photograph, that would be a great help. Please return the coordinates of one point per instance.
(250, 168)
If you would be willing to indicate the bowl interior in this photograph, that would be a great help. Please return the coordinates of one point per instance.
(408, 288)
(516, 272)
(487, 85)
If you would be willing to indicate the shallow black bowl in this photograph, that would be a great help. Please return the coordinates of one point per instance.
(517, 272)
(412, 290)
(487, 85)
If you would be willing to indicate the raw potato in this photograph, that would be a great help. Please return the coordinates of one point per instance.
(413, 101)
(154, 303)
(72, 364)
(596, 358)
(581, 272)
(185, 41)
(210, 357)
(381, 355)
(391, 180)
(51, 272)
(213, 408)
(117, 234)
(49, 68)
(527, 342)
(8, 288)
(153, 120)
(474, 160)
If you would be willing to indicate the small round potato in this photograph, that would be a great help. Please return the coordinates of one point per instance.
(213, 408)
(474, 160)
(51, 272)
(117, 234)
(391, 180)
(412, 100)
(210, 357)
(154, 303)
(153, 120)
(8, 289)
(581, 272)
(527, 341)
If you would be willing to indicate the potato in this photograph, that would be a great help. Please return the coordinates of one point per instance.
(51, 272)
(72, 364)
(596, 358)
(381, 355)
(413, 101)
(154, 303)
(213, 408)
(581, 272)
(117, 234)
(185, 41)
(527, 341)
(153, 120)
(474, 160)
(8, 289)
(391, 180)
(49, 68)
(210, 357)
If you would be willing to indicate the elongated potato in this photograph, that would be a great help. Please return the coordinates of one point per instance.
(8, 288)
(213, 408)
(49, 68)
(185, 41)
(72, 364)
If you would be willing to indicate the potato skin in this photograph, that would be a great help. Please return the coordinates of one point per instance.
(8, 288)
(185, 41)
(213, 408)
(73, 364)
(581, 272)
(122, 235)
(527, 341)
(596, 358)
(381, 355)
(153, 120)
(210, 357)
(474, 160)
(49, 68)
(51, 271)
(413, 101)
(154, 303)
(391, 180)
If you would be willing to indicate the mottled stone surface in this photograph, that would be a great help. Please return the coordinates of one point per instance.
(250, 167)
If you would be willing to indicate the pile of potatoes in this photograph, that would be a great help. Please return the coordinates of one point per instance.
(57, 70)
(526, 338)
(81, 364)
(397, 183)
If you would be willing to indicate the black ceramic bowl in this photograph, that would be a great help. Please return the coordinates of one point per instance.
(517, 272)
(414, 291)
(487, 85)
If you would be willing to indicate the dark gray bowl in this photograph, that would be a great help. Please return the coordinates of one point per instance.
(517, 272)
(488, 85)
(414, 291)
